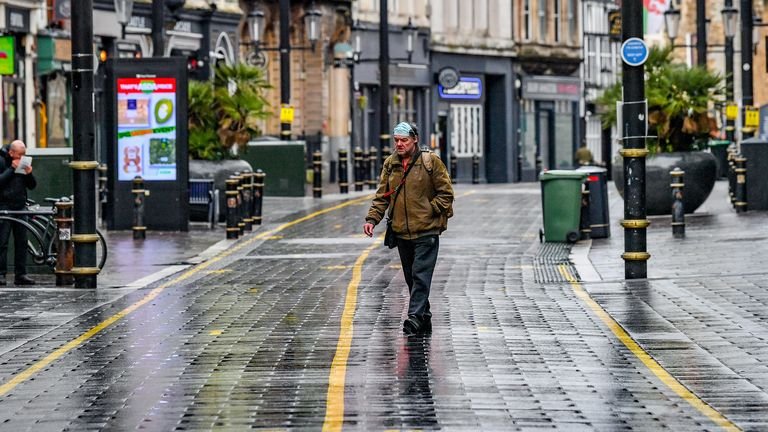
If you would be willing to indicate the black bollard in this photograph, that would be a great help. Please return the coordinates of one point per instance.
(732, 177)
(248, 200)
(258, 196)
(741, 184)
(103, 192)
(373, 169)
(366, 167)
(317, 174)
(678, 209)
(358, 169)
(139, 195)
(475, 169)
(233, 231)
(240, 206)
(520, 167)
(585, 224)
(454, 167)
(343, 171)
(65, 248)
(538, 165)
(385, 153)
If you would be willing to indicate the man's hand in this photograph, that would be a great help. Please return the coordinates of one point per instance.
(368, 229)
(28, 169)
(15, 163)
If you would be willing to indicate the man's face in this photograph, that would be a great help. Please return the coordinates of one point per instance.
(404, 145)
(17, 151)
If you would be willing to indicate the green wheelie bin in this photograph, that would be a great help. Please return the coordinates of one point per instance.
(561, 204)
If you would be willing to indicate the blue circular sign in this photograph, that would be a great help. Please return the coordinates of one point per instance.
(634, 51)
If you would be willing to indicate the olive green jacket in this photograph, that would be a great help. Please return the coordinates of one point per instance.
(425, 201)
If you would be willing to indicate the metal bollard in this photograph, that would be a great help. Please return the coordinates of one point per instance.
(343, 171)
(373, 182)
(678, 208)
(258, 195)
(741, 184)
(240, 205)
(538, 165)
(585, 224)
(385, 153)
(732, 178)
(233, 231)
(454, 167)
(65, 248)
(140, 194)
(248, 200)
(520, 167)
(358, 169)
(317, 174)
(475, 169)
(366, 167)
(103, 193)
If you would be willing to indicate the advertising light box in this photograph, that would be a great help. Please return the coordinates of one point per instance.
(146, 128)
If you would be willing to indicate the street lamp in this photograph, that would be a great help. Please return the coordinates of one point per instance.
(123, 10)
(312, 26)
(255, 26)
(412, 33)
(672, 22)
(730, 20)
(730, 23)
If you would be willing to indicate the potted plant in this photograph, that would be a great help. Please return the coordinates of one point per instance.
(679, 125)
(223, 115)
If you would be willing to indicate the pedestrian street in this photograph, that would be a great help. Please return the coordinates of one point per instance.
(298, 326)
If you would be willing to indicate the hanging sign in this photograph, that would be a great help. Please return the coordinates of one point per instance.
(286, 114)
(751, 117)
(634, 51)
(731, 111)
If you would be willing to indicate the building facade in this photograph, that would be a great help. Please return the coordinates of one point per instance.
(473, 45)
(549, 35)
(600, 69)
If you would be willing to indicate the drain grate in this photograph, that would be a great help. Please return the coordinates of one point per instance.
(547, 261)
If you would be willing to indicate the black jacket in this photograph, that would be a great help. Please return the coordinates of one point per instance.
(13, 187)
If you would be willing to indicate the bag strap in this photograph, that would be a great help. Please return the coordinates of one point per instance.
(396, 190)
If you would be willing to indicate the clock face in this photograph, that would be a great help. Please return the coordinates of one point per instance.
(448, 77)
(64, 9)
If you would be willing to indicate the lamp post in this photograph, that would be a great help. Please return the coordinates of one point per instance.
(83, 164)
(730, 21)
(701, 33)
(384, 75)
(634, 152)
(746, 59)
(256, 26)
(123, 10)
(158, 28)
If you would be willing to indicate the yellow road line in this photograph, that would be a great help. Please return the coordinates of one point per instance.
(658, 370)
(334, 410)
(74, 343)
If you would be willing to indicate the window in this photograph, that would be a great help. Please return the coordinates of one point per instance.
(556, 18)
(543, 28)
(467, 129)
(606, 62)
(526, 19)
(572, 23)
(591, 61)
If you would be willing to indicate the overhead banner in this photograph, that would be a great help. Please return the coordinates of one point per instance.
(146, 128)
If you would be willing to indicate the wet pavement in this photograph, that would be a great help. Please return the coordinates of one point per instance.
(298, 327)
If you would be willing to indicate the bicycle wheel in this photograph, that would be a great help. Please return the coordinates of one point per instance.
(35, 243)
(101, 250)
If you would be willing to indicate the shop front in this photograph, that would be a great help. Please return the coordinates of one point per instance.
(16, 70)
(549, 124)
(474, 119)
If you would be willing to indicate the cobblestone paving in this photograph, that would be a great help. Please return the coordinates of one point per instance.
(248, 341)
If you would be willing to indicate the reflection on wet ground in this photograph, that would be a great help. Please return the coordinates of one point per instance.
(248, 341)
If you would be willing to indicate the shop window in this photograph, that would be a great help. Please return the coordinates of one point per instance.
(467, 130)
(57, 105)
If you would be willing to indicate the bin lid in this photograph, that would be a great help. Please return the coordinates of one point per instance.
(591, 169)
(718, 143)
(562, 174)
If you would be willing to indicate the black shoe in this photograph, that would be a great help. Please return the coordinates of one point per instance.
(23, 280)
(411, 326)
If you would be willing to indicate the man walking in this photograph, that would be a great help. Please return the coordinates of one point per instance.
(13, 196)
(415, 186)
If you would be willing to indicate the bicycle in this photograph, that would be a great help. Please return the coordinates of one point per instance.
(42, 232)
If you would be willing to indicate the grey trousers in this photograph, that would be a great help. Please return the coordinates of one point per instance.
(418, 258)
